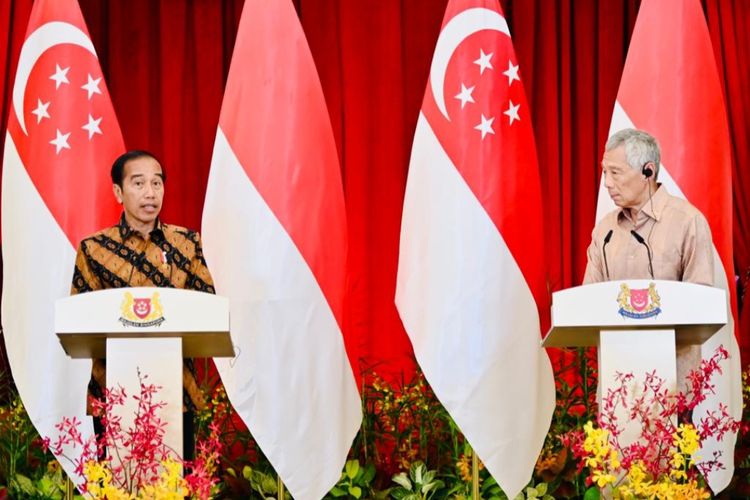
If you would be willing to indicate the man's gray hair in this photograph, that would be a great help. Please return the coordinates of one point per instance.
(640, 148)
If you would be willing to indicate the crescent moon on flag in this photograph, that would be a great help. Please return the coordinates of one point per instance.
(42, 39)
(456, 31)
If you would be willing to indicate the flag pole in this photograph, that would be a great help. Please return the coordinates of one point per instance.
(279, 488)
(69, 489)
(474, 475)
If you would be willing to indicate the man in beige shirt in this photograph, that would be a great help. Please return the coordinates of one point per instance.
(674, 231)
(648, 222)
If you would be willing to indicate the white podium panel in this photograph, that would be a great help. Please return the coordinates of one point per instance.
(148, 330)
(637, 326)
(161, 360)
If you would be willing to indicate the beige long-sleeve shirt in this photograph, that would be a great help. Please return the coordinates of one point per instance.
(681, 247)
(677, 233)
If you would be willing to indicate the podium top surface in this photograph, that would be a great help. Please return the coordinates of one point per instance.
(83, 322)
(695, 312)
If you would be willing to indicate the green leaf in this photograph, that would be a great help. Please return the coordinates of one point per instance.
(247, 471)
(269, 484)
(369, 474)
(231, 472)
(399, 493)
(402, 480)
(531, 492)
(417, 471)
(520, 496)
(428, 477)
(46, 486)
(432, 486)
(23, 484)
(352, 468)
(541, 489)
(355, 491)
(592, 494)
(337, 492)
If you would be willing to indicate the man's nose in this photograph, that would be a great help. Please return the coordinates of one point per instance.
(150, 191)
(608, 182)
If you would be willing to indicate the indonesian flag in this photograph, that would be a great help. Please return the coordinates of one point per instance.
(471, 277)
(670, 88)
(62, 138)
(275, 240)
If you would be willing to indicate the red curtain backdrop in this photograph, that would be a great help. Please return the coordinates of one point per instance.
(166, 63)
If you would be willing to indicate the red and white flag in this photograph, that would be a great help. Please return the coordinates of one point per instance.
(274, 230)
(670, 88)
(471, 286)
(62, 138)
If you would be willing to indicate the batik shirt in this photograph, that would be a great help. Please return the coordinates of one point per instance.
(119, 257)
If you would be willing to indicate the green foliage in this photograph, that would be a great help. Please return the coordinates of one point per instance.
(419, 484)
(21, 452)
(261, 484)
(355, 482)
(592, 493)
(576, 381)
(50, 486)
(537, 492)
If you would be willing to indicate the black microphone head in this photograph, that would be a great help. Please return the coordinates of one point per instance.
(638, 237)
(608, 237)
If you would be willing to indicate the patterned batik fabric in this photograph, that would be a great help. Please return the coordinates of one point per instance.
(120, 257)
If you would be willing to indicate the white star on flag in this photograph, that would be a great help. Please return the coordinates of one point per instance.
(92, 127)
(511, 73)
(41, 110)
(92, 86)
(484, 61)
(465, 95)
(512, 112)
(60, 142)
(60, 76)
(486, 126)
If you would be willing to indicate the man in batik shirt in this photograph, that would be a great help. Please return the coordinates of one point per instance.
(141, 250)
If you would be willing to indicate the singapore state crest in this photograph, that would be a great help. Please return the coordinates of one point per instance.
(141, 312)
(639, 303)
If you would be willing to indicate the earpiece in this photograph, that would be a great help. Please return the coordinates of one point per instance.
(647, 171)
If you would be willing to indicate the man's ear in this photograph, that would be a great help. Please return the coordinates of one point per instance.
(118, 193)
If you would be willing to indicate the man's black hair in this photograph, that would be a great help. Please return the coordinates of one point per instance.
(118, 167)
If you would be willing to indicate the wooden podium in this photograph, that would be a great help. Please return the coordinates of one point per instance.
(636, 325)
(148, 330)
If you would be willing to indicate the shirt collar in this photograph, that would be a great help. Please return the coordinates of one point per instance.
(653, 208)
(126, 231)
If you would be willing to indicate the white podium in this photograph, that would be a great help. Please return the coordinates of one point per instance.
(636, 325)
(146, 330)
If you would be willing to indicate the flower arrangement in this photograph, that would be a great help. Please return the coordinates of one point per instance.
(663, 462)
(406, 439)
(140, 465)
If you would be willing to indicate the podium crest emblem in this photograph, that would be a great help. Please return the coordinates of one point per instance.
(639, 303)
(141, 311)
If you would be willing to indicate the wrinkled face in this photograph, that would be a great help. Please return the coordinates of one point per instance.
(627, 186)
(142, 191)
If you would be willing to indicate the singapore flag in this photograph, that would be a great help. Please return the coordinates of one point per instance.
(471, 287)
(61, 140)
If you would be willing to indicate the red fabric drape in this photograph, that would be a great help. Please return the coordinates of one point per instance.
(166, 62)
(728, 24)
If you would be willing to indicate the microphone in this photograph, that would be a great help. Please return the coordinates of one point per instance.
(604, 251)
(640, 240)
